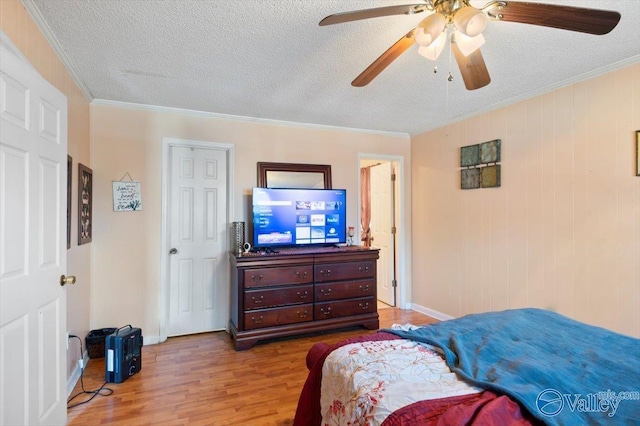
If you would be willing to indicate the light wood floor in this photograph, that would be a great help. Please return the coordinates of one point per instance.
(202, 380)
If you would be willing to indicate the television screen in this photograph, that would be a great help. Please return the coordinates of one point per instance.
(290, 217)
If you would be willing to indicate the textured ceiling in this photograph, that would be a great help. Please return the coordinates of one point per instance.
(271, 60)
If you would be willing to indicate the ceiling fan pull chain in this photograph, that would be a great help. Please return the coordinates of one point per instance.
(450, 77)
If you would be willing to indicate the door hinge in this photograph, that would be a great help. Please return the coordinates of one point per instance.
(393, 230)
(394, 283)
(393, 177)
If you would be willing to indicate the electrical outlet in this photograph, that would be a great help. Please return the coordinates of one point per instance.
(68, 333)
(81, 364)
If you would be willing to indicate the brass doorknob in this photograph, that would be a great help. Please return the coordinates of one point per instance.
(71, 279)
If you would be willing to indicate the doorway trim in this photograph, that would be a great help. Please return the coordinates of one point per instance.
(167, 143)
(402, 250)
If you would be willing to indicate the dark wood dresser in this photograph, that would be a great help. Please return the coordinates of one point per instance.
(301, 290)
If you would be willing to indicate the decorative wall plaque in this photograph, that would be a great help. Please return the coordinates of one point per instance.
(470, 178)
(85, 202)
(490, 176)
(490, 152)
(470, 155)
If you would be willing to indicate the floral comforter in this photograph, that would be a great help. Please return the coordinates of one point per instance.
(363, 383)
(353, 396)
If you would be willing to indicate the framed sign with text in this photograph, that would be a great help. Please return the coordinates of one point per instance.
(126, 196)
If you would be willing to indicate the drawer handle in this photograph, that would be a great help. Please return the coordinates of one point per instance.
(364, 287)
(364, 306)
(325, 292)
(256, 278)
(301, 276)
(257, 300)
(363, 270)
(257, 321)
(302, 295)
(327, 311)
(325, 273)
(302, 315)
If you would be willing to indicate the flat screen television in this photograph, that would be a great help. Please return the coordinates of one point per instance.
(299, 217)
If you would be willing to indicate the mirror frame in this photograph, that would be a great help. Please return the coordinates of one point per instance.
(263, 168)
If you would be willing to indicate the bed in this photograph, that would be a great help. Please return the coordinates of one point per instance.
(520, 366)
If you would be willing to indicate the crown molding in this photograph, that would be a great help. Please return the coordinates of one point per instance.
(543, 90)
(53, 42)
(205, 114)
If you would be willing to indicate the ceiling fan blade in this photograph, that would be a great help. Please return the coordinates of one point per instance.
(473, 69)
(356, 15)
(590, 21)
(384, 60)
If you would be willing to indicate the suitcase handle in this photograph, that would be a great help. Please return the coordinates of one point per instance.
(124, 326)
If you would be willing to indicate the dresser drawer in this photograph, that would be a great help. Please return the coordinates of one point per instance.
(344, 271)
(344, 290)
(278, 316)
(343, 308)
(259, 299)
(264, 277)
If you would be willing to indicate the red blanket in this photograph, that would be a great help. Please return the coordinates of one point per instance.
(485, 408)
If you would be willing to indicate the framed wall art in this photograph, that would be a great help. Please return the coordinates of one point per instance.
(126, 196)
(470, 155)
(638, 153)
(69, 177)
(490, 151)
(491, 176)
(470, 178)
(481, 162)
(85, 202)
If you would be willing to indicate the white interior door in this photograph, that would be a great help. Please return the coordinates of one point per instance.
(382, 222)
(33, 256)
(198, 268)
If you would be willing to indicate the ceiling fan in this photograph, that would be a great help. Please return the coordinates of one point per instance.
(462, 24)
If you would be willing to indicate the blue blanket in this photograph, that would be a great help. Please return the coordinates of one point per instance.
(562, 371)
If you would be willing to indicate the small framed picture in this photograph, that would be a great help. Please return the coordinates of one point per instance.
(491, 176)
(470, 178)
(126, 196)
(638, 153)
(490, 152)
(69, 176)
(85, 202)
(470, 155)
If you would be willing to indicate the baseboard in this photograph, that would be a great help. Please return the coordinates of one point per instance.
(431, 312)
(150, 340)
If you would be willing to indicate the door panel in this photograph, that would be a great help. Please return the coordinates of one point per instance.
(13, 205)
(49, 241)
(382, 207)
(198, 288)
(33, 158)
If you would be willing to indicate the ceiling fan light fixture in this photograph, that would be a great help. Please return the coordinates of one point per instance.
(470, 21)
(434, 49)
(468, 45)
(429, 29)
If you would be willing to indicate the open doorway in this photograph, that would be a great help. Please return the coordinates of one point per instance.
(378, 210)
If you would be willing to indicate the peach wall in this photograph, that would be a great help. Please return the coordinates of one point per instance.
(17, 24)
(126, 246)
(563, 231)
